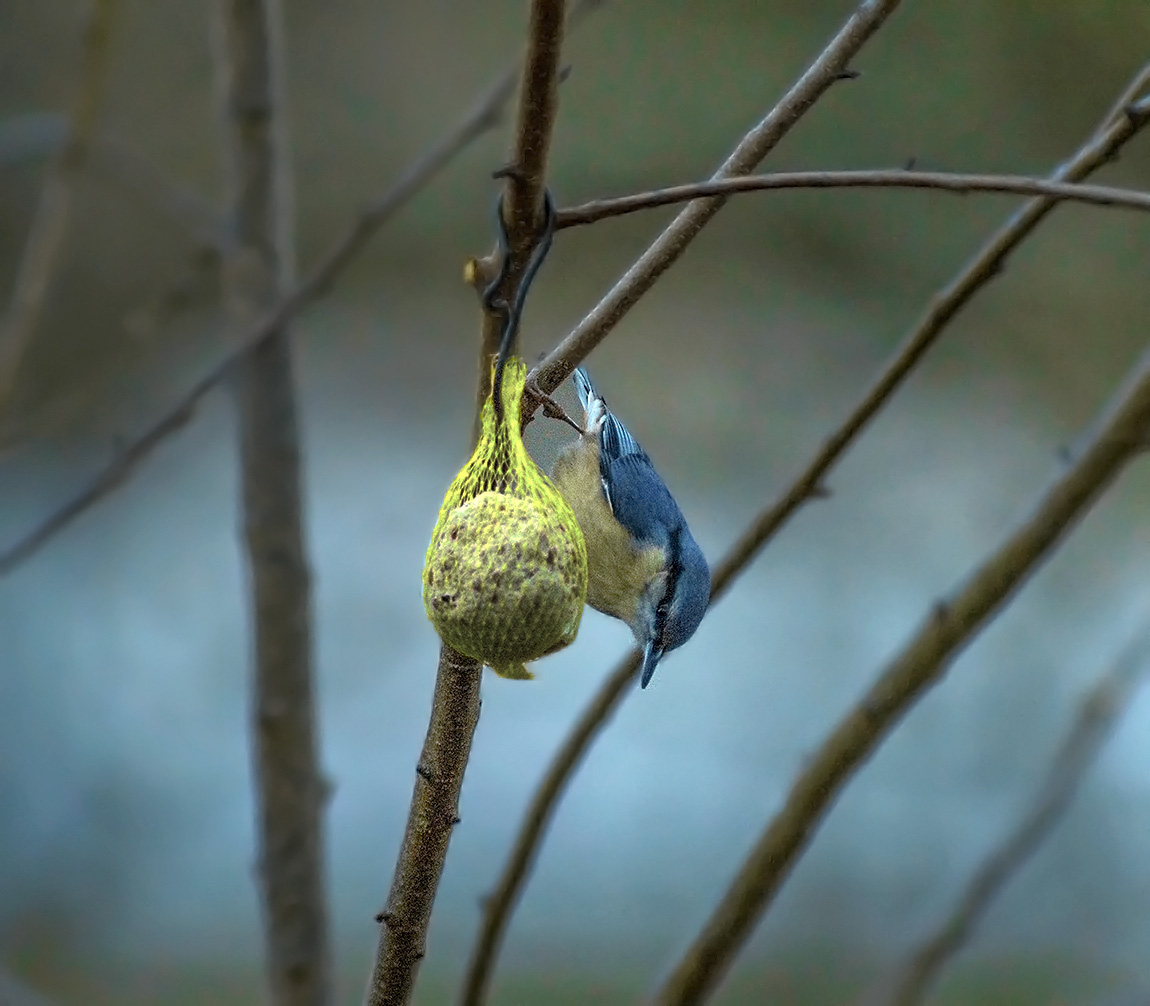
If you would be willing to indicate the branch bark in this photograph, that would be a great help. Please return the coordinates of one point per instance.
(483, 116)
(1114, 130)
(46, 237)
(1096, 718)
(830, 66)
(896, 178)
(290, 790)
(456, 702)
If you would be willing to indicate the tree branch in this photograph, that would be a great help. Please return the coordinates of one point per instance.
(290, 790)
(434, 814)
(456, 702)
(897, 178)
(483, 116)
(46, 236)
(1122, 434)
(1097, 716)
(1114, 131)
(829, 67)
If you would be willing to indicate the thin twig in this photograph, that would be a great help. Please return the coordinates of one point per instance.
(484, 115)
(959, 184)
(1112, 134)
(46, 236)
(456, 703)
(1120, 435)
(1132, 92)
(290, 790)
(1098, 713)
(823, 73)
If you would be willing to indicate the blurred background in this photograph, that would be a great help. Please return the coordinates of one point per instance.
(125, 806)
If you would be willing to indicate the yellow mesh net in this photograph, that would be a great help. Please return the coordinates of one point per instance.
(505, 578)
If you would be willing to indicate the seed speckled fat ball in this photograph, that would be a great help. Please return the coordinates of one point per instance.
(505, 579)
(502, 589)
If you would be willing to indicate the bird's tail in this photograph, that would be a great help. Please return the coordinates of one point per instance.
(584, 388)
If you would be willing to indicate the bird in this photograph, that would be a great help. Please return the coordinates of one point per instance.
(644, 565)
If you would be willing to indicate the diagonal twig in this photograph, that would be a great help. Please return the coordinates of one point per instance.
(45, 239)
(831, 66)
(1119, 435)
(289, 785)
(896, 178)
(1114, 130)
(1098, 714)
(484, 115)
(455, 705)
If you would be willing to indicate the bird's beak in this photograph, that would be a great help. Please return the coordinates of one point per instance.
(652, 652)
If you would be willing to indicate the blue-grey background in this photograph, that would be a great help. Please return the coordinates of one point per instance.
(125, 806)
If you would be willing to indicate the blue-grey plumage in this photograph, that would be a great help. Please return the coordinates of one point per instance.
(644, 565)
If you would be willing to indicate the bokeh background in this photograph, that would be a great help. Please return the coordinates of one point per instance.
(125, 807)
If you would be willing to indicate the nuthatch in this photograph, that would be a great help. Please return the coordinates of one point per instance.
(644, 567)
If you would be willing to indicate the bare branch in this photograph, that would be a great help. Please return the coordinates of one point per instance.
(1133, 91)
(828, 68)
(1097, 716)
(483, 116)
(434, 815)
(538, 100)
(1112, 134)
(1121, 435)
(45, 239)
(290, 790)
(456, 703)
(959, 184)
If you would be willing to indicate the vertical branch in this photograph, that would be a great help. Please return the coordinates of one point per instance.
(534, 126)
(1097, 716)
(289, 787)
(456, 702)
(45, 239)
(434, 814)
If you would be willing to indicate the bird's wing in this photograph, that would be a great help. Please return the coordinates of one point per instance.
(640, 500)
